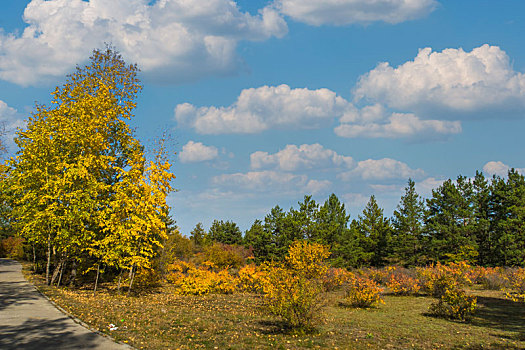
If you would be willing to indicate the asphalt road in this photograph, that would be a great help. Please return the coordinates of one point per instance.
(30, 321)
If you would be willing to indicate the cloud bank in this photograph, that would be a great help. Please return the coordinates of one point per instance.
(171, 40)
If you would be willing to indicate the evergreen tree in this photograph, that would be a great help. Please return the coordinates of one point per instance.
(332, 222)
(198, 235)
(481, 206)
(374, 232)
(508, 219)
(407, 239)
(225, 232)
(261, 241)
(450, 222)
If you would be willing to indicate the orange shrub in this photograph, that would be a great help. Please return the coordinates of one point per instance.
(12, 247)
(335, 278)
(252, 279)
(455, 304)
(192, 280)
(402, 284)
(363, 292)
(226, 255)
(517, 285)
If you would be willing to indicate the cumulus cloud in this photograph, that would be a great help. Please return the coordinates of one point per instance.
(259, 109)
(452, 80)
(261, 180)
(10, 120)
(294, 157)
(381, 169)
(166, 37)
(374, 122)
(342, 12)
(499, 168)
(197, 152)
(424, 187)
(271, 181)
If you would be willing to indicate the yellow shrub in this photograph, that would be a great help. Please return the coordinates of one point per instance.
(455, 304)
(293, 297)
(335, 278)
(402, 284)
(191, 280)
(363, 292)
(293, 290)
(308, 258)
(12, 247)
(251, 279)
(517, 285)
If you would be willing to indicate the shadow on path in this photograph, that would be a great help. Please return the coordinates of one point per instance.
(16, 293)
(44, 334)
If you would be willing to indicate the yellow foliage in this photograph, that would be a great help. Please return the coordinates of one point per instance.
(455, 304)
(192, 280)
(252, 279)
(363, 292)
(336, 277)
(293, 297)
(293, 290)
(402, 284)
(517, 285)
(308, 258)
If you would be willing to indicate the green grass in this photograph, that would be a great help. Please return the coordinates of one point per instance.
(162, 320)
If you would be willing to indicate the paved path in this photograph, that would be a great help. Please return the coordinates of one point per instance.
(30, 321)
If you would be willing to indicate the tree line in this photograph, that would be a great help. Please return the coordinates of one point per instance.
(478, 220)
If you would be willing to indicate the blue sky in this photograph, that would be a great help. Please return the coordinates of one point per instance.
(267, 101)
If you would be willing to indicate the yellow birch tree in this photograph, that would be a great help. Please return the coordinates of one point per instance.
(78, 180)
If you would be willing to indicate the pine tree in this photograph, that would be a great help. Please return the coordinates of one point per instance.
(226, 232)
(374, 234)
(407, 238)
(450, 222)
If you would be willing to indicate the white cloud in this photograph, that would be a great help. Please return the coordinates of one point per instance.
(10, 120)
(355, 200)
(292, 158)
(425, 187)
(317, 186)
(261, 181)
(271, 182)
(342, 12)
(259, 109)
(452, 80)
(166, 38)
(374, 122)
(197, 152)
(499, 168)
(381, 169)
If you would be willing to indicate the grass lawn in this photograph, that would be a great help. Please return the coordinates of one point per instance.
(162, 320)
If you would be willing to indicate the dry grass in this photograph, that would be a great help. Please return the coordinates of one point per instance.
(161, 320)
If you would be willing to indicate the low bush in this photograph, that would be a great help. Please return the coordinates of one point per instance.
(363, 292)
(454, 304)
(402, 284)
(335, 278)
(294, 298)
(191, 280)
(294, 290)
(517, 285)
(252, 279)
(12, 247)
